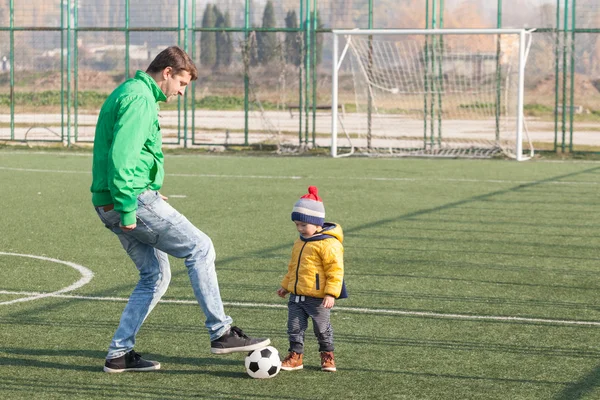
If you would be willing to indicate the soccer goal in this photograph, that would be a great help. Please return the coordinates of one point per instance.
(431, 92)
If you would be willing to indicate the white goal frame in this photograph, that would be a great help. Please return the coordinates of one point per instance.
(338, 58)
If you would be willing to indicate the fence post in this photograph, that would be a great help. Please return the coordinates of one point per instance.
(498, 104)
(76, 72)
(564, 75)
(572, 94)
(193, 53)
(246, 71)
(185, 97)
(68, 73)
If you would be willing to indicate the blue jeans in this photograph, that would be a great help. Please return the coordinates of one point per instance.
(162, 230)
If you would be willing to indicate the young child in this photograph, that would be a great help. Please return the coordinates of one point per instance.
(315, 278)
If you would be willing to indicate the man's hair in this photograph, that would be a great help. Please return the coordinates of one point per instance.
(175, 58)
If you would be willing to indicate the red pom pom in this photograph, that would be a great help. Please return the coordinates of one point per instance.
(313, 194)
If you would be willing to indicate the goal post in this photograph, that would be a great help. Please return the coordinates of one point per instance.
(433, 92)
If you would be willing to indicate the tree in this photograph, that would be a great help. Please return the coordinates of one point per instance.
(3, 14)
(293, 40)
(319, 38)
(113, 12)
(223, 40)
(341, 12)
(251, 48)
(208, 40)
(267, 41)
(4, 46)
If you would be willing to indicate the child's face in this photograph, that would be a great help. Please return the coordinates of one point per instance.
(307, 230)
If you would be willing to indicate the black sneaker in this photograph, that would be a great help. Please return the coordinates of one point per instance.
(235, 340)
(131, 361)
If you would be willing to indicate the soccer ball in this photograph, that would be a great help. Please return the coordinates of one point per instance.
(263, 363)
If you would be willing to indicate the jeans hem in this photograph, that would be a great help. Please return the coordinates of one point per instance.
(120, 353)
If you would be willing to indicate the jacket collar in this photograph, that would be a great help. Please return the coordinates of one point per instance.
(321, 235)
(152, 85)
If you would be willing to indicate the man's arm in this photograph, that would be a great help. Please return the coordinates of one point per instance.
(131, 130)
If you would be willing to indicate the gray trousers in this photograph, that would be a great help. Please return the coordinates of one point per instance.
(300, 308)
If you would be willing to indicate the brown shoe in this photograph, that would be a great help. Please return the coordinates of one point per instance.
(292, 362)
(327, 361)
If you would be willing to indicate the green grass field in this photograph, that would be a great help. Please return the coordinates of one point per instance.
(468, 279)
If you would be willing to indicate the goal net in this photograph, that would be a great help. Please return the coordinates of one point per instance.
(435, 92)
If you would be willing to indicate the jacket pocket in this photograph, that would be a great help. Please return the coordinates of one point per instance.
(317, 282)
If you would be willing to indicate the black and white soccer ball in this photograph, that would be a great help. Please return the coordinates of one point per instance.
(263, 363)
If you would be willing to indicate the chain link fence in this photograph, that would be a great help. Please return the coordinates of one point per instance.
(265, 66)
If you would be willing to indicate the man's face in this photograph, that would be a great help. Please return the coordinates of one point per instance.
(174, 85)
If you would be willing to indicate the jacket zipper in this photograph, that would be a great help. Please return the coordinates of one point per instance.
(298, 269)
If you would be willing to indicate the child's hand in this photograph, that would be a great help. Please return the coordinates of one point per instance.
(328, 301)
(281, 292)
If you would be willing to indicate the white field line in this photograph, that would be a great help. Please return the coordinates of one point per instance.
(234, 176)
(57, 153)
(86, 277)
(376, 311)
(583, 183)
(62, 171)
(90, 154)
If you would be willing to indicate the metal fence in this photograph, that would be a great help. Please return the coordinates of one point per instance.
(61, 58)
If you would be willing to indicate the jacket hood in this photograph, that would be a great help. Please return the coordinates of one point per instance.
(330, 230)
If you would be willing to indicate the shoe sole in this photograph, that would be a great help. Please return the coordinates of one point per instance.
(329, 369)
(118, 371)
(292, 368)
(242, 349)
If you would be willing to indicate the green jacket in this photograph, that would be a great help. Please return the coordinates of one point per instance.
(128, 158)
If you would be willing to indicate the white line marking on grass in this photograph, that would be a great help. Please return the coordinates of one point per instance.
(60, 171)
(90, 154)
(234, 176)
(86, 277)
(464, 180)
(337, 308)
(459, 180)
(58, 153)
(171, 174)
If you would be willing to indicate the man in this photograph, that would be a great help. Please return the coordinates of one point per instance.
(127, 173)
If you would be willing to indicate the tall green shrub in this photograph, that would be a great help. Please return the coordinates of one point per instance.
(293, 40)
(267, 41)
(208, 40)
(223, 40)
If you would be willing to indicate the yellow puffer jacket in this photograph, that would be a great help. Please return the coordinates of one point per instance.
(317, 264)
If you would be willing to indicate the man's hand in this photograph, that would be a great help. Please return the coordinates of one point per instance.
(328, 301)
(281, 292)
(127, 228)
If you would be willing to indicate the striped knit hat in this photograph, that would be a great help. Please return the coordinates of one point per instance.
(309, 208)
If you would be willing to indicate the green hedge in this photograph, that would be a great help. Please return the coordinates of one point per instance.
(92, 99)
